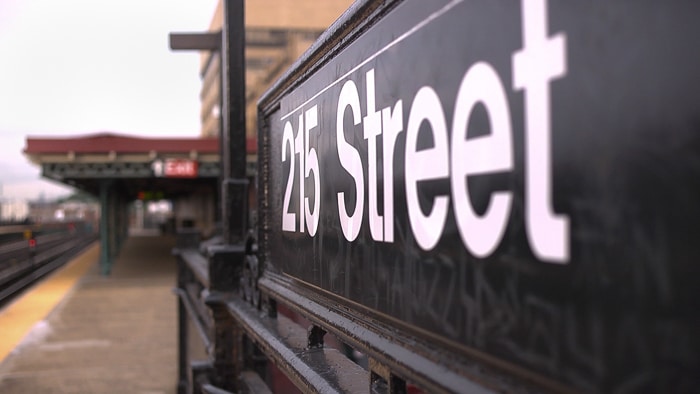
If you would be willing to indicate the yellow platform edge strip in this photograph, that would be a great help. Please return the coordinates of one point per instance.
(33, 306)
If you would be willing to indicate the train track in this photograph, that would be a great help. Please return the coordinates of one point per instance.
(21, 267)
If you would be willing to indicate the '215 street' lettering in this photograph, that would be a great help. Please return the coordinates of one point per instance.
(541, 60)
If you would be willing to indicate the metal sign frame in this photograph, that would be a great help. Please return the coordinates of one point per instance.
(530, 283)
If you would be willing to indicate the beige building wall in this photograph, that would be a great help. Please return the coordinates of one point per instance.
(277, 33)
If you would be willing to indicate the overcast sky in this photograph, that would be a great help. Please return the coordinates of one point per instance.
(76, 67)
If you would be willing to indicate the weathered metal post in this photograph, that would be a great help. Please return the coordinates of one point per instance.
(235, 183)
(226, 261)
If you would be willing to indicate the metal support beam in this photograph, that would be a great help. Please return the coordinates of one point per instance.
(233, 160)
(226, 259)
(210, 41)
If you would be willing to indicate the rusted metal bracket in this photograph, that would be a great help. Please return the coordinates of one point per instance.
(315, 337)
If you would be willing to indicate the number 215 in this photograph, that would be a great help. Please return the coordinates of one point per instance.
(308, 163)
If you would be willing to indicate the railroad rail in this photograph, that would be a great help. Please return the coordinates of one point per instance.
(46, 248)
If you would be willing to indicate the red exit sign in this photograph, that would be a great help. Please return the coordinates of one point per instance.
(180, 168)
(175, 168)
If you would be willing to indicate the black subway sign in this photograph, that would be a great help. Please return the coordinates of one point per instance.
(519, 179)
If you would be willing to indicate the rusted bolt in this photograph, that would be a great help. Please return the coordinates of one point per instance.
(315, 337)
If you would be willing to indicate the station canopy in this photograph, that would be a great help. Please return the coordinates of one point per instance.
(136, 166)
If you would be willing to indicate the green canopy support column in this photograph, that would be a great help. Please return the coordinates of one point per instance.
(125, 220)
(121, 223)
(113, 203)
(106, 227)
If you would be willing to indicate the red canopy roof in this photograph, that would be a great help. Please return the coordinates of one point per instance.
(106, 142)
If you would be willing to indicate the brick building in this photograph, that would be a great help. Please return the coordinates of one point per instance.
(277, 33)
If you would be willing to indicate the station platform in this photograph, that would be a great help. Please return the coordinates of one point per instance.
(81, 332)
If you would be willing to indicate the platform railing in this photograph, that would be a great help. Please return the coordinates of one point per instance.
(229, 331)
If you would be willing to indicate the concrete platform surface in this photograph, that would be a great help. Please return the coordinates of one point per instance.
(115, 334)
